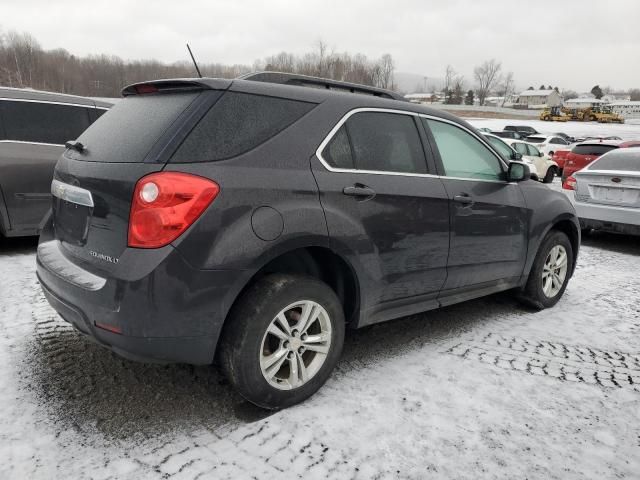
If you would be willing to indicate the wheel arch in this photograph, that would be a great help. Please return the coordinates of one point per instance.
(318, 261)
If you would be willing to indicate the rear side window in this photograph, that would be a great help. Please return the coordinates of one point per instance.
(387, 142)
(618, 161)
(43, 122)
(592, 149)
(237, 123)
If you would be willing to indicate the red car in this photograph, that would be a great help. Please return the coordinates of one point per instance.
(586, 152)
(560, 156)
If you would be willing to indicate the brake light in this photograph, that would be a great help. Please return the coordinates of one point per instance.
(569, 183)
(165, 204)
(142, 89)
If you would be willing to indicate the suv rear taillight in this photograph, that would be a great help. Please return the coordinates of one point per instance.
(569, 183)
(165, 204)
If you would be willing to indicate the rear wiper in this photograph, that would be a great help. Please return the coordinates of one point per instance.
(75, 145)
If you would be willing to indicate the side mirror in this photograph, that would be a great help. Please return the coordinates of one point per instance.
(516, 156)
(541, 154)
(518, 172)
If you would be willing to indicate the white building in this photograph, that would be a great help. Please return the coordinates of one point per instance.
(628, 109)
(583, 102)
(539, 99)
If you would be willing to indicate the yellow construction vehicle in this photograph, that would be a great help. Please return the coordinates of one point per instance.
(553, 114)
(603, 114)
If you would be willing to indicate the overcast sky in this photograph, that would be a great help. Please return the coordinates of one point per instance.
(573, 44)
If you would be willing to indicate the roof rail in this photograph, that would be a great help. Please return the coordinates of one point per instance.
(318, 82)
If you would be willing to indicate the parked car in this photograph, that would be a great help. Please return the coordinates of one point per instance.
(606, 194)
(586, 152)
(508, 154)
(252, 220)
(560, 156)
(548, 143)
(508, 134)
(569, 139)
(547, 169)
(34, 127)
(523, 130)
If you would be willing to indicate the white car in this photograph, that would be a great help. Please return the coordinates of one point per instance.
(606, 193)
(547, 169)
(548, 143)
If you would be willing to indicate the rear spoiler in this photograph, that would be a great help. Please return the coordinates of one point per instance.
(176, 85)
(318, 82)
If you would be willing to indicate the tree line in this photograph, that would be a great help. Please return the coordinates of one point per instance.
(24, 63)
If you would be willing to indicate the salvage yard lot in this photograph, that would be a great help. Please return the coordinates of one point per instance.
(484, 389)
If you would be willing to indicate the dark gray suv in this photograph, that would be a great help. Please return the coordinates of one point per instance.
(252, 220)
(34, 126)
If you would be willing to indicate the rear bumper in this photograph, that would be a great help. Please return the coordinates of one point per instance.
(607, 217)
(172, 315)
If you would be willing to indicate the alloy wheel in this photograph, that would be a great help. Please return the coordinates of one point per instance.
(295, 345)
(554, 271)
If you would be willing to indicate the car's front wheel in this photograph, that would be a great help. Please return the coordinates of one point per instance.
(550, 272)
(282, 339)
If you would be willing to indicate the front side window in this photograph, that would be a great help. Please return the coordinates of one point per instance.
(533, 151)
(43, 122)
(503, 149)
(463, 155)
(521, 148)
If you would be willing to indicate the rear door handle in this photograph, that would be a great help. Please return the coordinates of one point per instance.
(463, 198)
(359, 190)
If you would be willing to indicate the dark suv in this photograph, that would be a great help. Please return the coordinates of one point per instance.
(252, 220)
(34, 127)
(523, 130)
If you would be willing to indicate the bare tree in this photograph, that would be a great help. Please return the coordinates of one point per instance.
(507, 86)
(487, 75)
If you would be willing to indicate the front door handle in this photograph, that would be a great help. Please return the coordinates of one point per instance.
(463, 198)
(359, 190)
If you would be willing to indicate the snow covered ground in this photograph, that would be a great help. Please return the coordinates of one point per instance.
(485, 389)
(627, 131)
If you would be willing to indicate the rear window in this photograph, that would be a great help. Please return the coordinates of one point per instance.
(618, 160)
(595, 150)
(42, 122)
(126, 133)
(237, 123)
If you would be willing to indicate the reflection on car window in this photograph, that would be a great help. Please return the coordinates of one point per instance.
(386, 142)
(462, 154)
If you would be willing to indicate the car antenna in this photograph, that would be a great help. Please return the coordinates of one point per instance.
(194, 61)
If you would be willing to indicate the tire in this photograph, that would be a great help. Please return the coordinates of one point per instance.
(534, 290)
(247, 348)
(550, 175)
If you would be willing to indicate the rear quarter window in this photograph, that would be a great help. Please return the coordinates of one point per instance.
(595, 150)
(237, 123)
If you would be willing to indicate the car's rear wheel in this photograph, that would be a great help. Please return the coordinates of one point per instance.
(282, 339)
(550, 272)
